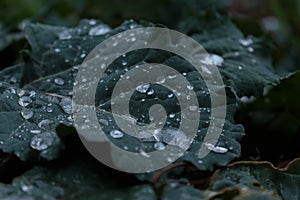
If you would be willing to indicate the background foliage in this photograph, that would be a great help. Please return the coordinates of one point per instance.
(263, 122)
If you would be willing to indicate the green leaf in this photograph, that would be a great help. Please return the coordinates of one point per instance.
(76, 177)
(247, 66)
(28, 121)
(249, 177)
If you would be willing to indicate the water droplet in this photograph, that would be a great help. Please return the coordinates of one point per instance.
(35, 131)
(251, 49)
(57, 50)
(20, 92)
(59, 81)
(42, 141)
(26, 188)
(104, 122)
(160, 79)
(44, 123)
(99, 30)
(171, 116)
(143, 88)
(124, 63)
(116, 134)
(143, 153)
(150, 92)
(82, 55)
(159, 146)
(210, 59)
(26, 113)
(170, 95)
(66, 105)
(193, 108)
(64, 35)
(172, 76)
(25, 101)
(189, 87)
(246, 42)
(92, 22)
(240, 67)
(215, 149)
(49, 109)
(13, 79)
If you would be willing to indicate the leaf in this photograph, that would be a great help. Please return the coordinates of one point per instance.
(274, 114)
(76, 177)
(28, 121)
(249, 177)
(247, 66)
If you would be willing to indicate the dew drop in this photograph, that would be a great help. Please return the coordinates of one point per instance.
(13, 79)
(59, 81)
(66, 105)
(210, 59)
(215, 149)
(240, 67)
(26, 113)
(159, 146)
(64, 35)
(25, 101)
(116, 134)
(193, 108)
(246, 42)
(251, 49)
(42, 141)
(99, 30)
(189, 87)
(57, 50)
(160, 79)
(142, 88)
(150, 92)
(35, 131)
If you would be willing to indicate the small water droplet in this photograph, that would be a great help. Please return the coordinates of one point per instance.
(82, 55)
(26, 113)
(215, 149)
(44, 123)
(159, 146)
(59, 81)
(124, 63)
(25, 101)
(35, 131)
(240, 67)
(26, 188)
(150, 92)
(246, 42)
(99, 30)
(170, 95)
(143, 153)
(57, 50)
(116, 134)
(49, 109)
(193, 108)
(13, 79)
(210, 59)
(160, 79)
(42, 141)
(251, 49)
(64, 35)
(189, 87)
(143, 88)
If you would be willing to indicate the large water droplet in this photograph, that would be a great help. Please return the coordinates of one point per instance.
(66, 105)
(26, 113)
(99, 30)
(116, 134)
(142, 88)
(42, 141)
(25, 101)
(59, 81)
